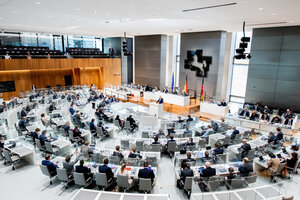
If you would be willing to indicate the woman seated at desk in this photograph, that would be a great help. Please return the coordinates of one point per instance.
(265, 117)
(123, 171)
(276, 120)
(254, 116)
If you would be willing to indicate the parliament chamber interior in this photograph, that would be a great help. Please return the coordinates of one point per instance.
(149, 100)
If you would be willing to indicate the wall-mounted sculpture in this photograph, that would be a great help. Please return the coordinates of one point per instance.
(197, 62)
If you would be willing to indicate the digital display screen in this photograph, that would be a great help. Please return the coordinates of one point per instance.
(7, 86)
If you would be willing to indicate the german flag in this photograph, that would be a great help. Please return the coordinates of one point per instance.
(185, 85)
(202, 90)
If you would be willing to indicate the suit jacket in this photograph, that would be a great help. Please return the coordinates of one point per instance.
(223, 103)
(107, 170)
(288, 122)
(273, 163)
(70, 165)
(266, 118)
(274, 120)
(50, 165)
(247, 114)
(245, 148)
(83, 169)
(208, 172)
(218, 151)
(43, 139)
(245, 169)
(23, 113)
(254, 117)
(131, 120)
(22, 124)
(234, 133)
(186, 173)
(134, 155)
(119, 154)
(160, 101)
(93, 128)
(279, 136)
(146, 173)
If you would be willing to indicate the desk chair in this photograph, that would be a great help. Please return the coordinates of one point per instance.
(213, 185)
(237, 139)
(188, 183)
(276, 173)
(171, 148)
(74, 139)
(46, 172)
(247, 135)
(145, 185)
(145, 134)
(132, 162)
(235, 183)
(156, 147)
(40, 147)
(225, 143)
(202, 144)
(118, 125)
(9, 158)
(124, 144)
(101, 180)
(221, 158)
(50, 149)
(98, 158)
(80, 179)
(127, 126)
(63, 176)
(99, 133)
(152, 160)
(250, 179)
(115, 160)
(293, 170)
(122, 182)
(250, 154)
(139, 145)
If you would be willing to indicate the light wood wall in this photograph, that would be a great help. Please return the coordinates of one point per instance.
(44, 72)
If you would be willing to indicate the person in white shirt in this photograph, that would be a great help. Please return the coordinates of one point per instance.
(125, 172)
(7, 56)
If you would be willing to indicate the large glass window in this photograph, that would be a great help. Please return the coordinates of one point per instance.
(10, 39)
(239, 72)
(45, 40)
(28, 39)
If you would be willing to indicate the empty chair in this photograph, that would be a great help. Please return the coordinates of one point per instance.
(171, 148)
(122, 182)
(117, 124)
(188, 183)
(145, 184)
(202, 144)
(238, 138)
(99, 133)
(250, 179)
(139, 145)
(98, 158)
(250, 154)
(39, 145)
(80, 180)
(225, 142)
(46, 172)
(278, 172)
(10, 158)
(156, 147)
(152, 160)
(124, 144)
(115, 160)
(63, 176)
(127, 126)
(101, 180)
(50, 149)
(236, 183)
(213, 185)
(221, 158)
(145, 134)
(72, 138)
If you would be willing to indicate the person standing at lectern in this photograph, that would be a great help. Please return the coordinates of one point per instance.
(160, 100)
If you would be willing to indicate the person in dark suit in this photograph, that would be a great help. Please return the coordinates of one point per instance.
(184, 93)
(35, 134)
(93, 127)
(43, 138)
(245, 113)
(52, 107)
(50, 165)
(105, 132)
(171, 130)
(245, 148)
(146, 172)
(290, 163)
(265, 117)
(276, 120)
(22, 124)
(186, 172)
(118, 153)
(245, 168)
(189, 119)
(223, 103)
(165, 90)
(287, 114)
(155, 140)
(208, 171)
(71, 109)
(106, 169)
(266, 110)
(218, 149)
(160, 100)
(234, 133)
(231, 175)
(189, 158)
(254, 116)
(23, 113)
(271, 137)
(180, 120)
(83, 169)
(134, 154)
(279, 135)
(257, 108)
(120, 121)
(174, 92)
(288, 121)
(132, 122)
(190, 142)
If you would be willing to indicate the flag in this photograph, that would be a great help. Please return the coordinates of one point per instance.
(185, 85)
(172, 81)
(202, 90)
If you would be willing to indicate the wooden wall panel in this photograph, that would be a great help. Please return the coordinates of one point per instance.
(43, 72)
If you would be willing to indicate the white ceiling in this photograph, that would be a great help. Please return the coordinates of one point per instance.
(141, 17)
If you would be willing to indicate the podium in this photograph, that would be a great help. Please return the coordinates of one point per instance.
(156, 109)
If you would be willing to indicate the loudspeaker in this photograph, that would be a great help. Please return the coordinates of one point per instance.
(190, 55)
(245, 39)
(199, 54)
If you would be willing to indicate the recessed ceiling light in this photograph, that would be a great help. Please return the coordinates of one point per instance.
(273, 14)
(108, 14)
(95, 12)
(261, 9)
(50, 16)
(77, 9)
(37, 3)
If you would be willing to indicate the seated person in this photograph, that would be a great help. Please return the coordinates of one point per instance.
(165, 90)
(171, 130)
(160, 132)
(218, 149)
(71, 109)
(134, 154)
(296, 149)
(106, 169)
(276, 120)
(50, 165)
(179, 120)
(67, 127)
(234, 133)
(288, 121)
(125, 172)
(290, 163)
(43, 138)
(28, 108)
(132, 122)
(245, 113)
(208, 132)
(35, 134)
(146, 172)
(85, 150)
(155, 140)
(265, 117)
(208, 171)
(23, 123)
(2, 143)
(174, 92)
(83, 169)
(245, 168)
(171, 139)
(45, 120)
(185, 172)
(23, 112)
(223, 103)
(52, 107)
(256, 107)
(105, 132)
(266, 110)
(120, 121)
(68, 164)
(279, 135)
(93, 127)
(190, 142)
(118, 153)
(254, 116)
(160, 100)
(271, 137)
(184, 93)
(230, 176)
(273, 163)
(287, 114)
(245, 148)
(189, 119)
(189, 158)
(187, 131)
